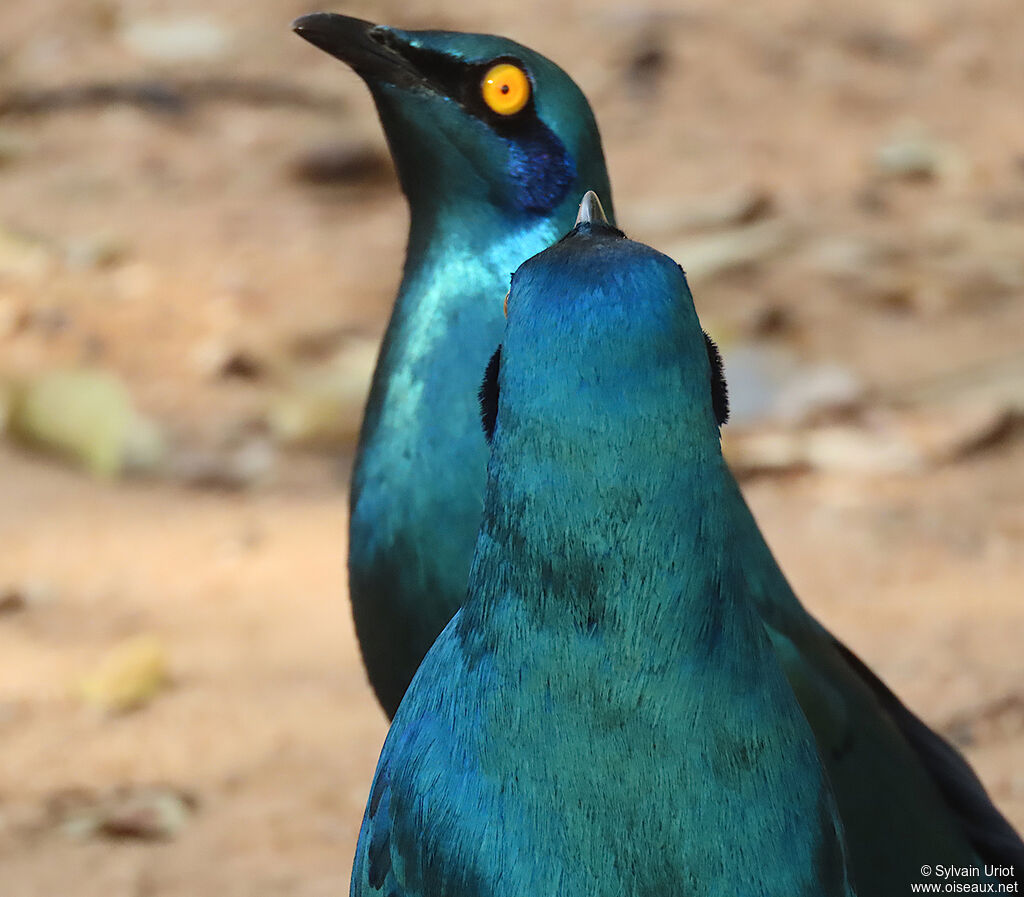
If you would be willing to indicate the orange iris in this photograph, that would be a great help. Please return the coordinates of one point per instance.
(505, 88)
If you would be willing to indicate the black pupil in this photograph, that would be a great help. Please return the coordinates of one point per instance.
(504, 88)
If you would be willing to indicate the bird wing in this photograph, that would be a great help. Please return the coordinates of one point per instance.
(373, 871)
(426, 820)
(872, 744)
(988, 831)
(398, 851)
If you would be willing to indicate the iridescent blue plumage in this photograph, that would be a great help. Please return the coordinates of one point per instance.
(605, 715)
(906, 797)
(484, 194)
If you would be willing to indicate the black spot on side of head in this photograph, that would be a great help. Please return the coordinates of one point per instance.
(488, 395)
(719, 389)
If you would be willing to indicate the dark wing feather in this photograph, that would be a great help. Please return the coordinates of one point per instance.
(991, 835)
(374, 870)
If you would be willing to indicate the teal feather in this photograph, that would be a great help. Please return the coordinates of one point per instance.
(418, 472)
(907, 798)
(605, 715)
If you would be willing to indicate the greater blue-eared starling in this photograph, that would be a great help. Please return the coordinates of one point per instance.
(493, 143)
(605, 716)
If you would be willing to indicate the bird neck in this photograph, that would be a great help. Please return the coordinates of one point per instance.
(445, 227)
(633, 554)
(446, 323)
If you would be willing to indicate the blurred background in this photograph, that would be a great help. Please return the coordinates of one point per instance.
(200, 238)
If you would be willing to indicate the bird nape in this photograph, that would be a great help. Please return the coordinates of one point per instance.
(906, 797)
(575, 730)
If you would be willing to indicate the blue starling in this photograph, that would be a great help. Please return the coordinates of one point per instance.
(466, 164)
(605, 716)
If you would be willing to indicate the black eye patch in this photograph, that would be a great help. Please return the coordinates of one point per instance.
(719, 388)
(488, 395)
(462, 81)
(540, 170)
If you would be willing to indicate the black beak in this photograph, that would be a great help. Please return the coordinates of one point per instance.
(371, 50)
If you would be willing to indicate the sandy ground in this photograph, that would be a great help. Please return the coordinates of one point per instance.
(268, 722)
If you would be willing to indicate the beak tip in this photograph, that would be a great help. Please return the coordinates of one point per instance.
(299, 27)
(303, 25)
(591, 211)
(348, 39)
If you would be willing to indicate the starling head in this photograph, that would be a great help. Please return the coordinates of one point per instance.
(471, 117)
(603, 340)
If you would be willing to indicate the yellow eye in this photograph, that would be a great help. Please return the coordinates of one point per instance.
(505, 306)
(505, 88)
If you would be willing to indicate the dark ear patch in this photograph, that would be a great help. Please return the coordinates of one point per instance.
(719, 389)
(488, 395)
